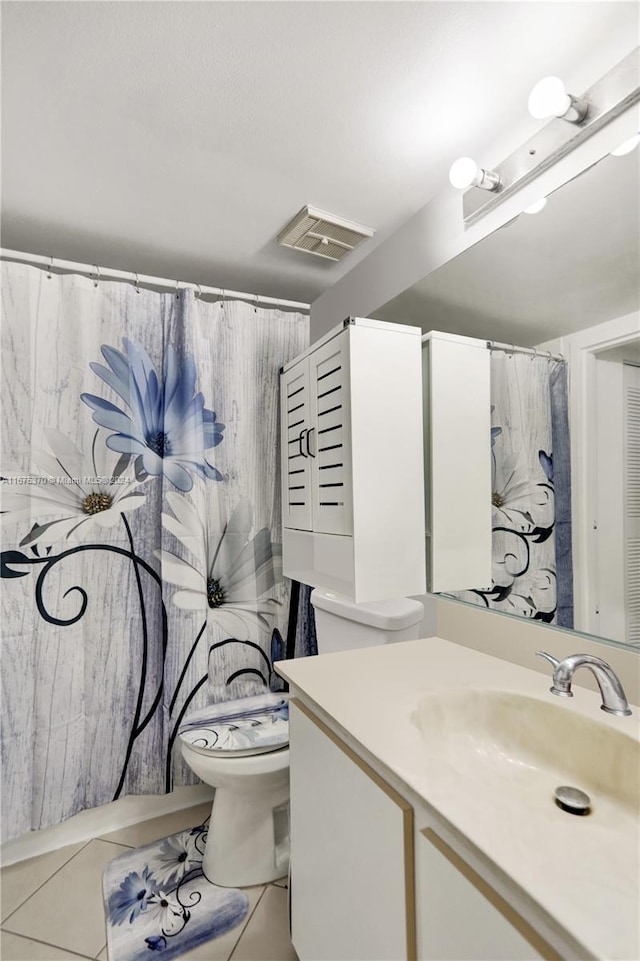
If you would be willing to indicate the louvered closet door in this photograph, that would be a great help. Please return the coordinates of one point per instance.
(296, 463)
(632, 500)
(330, 440)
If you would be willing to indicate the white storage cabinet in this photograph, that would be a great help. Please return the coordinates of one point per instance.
(352, 462)
(457, 468)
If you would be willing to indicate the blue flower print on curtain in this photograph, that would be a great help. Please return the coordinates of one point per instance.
(168, 429)
(129, 599)
(90, 488)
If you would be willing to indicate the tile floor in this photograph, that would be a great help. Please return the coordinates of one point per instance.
(52, 907)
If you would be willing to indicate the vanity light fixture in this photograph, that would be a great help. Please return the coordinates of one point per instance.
(627, 146)
(605, 100)
(536, 207)
(465, 172)
(549, 98)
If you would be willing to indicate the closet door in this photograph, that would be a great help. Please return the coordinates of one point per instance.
(330, 437)
(296, 462)
(631, 383)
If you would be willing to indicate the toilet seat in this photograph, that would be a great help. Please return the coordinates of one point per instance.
(239, 728)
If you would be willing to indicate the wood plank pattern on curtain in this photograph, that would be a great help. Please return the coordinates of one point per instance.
(141, 571)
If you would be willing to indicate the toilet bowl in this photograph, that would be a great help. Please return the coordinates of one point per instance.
(241, 749)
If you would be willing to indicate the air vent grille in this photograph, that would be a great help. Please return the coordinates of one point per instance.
(325, 235)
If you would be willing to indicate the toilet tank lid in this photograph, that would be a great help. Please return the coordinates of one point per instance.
(391, 615)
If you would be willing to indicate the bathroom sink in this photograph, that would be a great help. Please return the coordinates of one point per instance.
(520, 749)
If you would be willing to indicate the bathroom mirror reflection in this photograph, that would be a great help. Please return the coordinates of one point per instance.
(566, 279)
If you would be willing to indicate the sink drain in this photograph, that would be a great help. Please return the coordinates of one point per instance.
(572, 800)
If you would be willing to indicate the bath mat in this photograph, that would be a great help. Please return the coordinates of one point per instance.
(157, 899)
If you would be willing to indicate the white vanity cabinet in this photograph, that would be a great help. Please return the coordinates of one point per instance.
(352, 853)
(372, 876)
(352, 462)
(460, 917)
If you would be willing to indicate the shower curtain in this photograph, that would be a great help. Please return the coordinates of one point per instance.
(531, 491)
(140, 499)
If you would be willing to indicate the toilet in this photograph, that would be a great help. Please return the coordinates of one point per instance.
(240, 747)
(343, 625)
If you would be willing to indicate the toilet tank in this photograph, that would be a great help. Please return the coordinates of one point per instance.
(342, 625)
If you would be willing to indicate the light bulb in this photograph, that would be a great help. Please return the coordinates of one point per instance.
(549, 99)
(463, 173)
(536, 207)
(627, 146)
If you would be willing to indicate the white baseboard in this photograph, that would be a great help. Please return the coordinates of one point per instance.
(102, 820)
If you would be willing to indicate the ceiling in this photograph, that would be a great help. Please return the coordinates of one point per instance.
(178, 138)
(570, 266)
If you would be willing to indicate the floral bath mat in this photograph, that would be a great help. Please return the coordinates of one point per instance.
(157, 899)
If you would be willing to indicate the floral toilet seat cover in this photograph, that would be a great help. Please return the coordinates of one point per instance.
(249, 725)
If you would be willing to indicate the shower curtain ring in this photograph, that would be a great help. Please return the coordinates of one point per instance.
(97, 280)
(50, 268)
(137, 283)
(199, 292)
(177, 290)
(535, 353)
(255, 306)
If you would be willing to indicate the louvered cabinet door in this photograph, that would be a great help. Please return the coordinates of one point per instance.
(632, 501)
(330, 438)
(296, 462)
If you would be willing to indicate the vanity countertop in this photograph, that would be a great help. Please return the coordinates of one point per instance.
(584, 872)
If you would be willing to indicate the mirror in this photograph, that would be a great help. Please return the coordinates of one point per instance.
(555, 274)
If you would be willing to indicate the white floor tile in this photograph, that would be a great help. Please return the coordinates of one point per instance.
(13, 947)
(68, 910)
(220, 948)
(266, 936)
(19, 881)
(147, 831)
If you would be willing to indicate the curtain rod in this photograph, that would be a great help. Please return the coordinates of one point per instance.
(107, 272)
(512, 349)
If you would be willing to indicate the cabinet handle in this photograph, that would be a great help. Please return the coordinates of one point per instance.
(309, 433)
(302, 452)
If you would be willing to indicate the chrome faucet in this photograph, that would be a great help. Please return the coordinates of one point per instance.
(613, 696)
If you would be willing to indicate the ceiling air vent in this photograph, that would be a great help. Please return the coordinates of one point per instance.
(325, 235)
